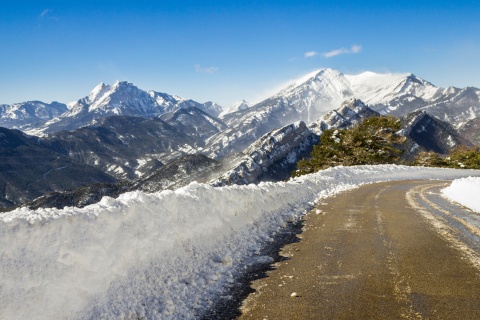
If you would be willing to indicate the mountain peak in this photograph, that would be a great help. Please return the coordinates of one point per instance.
(98, 92)
(124, 84)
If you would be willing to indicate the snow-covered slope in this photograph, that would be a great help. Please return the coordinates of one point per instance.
(167, 255)
(240, 105)
(375, 88)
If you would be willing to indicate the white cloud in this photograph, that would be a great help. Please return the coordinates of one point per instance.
(354, 49)
(208, 70)
(310, 54)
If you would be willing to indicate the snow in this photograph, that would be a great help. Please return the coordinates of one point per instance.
(166, 255)
(465, 192)
(240, 105)
(374, 88)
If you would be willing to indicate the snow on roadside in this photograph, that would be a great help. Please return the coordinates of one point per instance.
(465, 191)
(166, 255)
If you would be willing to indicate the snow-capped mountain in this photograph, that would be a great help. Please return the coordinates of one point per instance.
(240, 105)
(123, 98)
(381, 89)
(29, 114)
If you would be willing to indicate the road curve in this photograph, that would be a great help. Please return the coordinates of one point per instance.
(394, 250)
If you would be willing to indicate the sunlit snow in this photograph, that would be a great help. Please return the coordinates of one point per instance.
(465, 191)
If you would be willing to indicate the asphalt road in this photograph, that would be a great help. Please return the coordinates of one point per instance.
(383, 251)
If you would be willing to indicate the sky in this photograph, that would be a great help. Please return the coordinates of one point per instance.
(226, 51)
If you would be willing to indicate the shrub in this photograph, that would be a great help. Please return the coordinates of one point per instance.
(373, 141)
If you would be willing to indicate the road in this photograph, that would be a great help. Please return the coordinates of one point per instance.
(393, 250)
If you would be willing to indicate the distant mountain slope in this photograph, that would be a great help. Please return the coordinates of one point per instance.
(431, 134)
(127, 147)
(120, 147)
(29, 168)
(272, 157)
(471, 131)
(175, 174)
(194, 122)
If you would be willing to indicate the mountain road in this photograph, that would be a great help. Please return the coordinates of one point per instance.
(394, 250)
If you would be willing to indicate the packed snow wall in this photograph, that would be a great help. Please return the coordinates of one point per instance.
(166, 255)
(466, 192)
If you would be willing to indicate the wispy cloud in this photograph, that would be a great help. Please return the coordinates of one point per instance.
(208, 70)
(354, 49)
(47, 14)
(310, 54)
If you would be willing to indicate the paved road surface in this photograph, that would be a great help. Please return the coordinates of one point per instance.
(384, 251)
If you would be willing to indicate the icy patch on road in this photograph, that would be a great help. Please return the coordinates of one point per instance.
(466, 192)
(166, 255)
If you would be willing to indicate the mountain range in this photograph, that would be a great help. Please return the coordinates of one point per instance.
(123, 98)
(123, 138)
(310, 97)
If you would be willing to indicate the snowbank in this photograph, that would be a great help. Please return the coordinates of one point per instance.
(167, 255)
(465, 191)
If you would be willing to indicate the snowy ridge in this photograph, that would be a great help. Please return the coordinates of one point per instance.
(375, 88)
(465, 192)
(165, 255)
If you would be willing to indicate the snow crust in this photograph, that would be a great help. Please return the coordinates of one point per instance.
(166, 255)
(466, 192)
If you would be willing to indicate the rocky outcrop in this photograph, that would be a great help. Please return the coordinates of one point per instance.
(272, 157)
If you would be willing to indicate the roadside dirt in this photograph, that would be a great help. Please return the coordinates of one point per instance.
(368, 254)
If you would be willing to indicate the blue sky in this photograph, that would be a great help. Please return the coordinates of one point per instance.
(227, 50)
